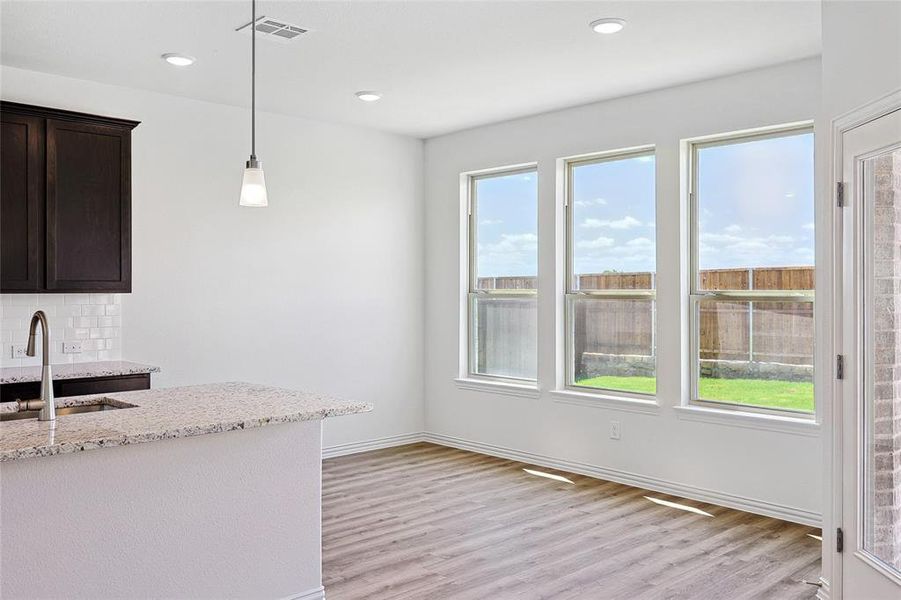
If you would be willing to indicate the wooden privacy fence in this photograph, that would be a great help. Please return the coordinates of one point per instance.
(760, 331)
(760, 278)
(778, 332)
(506, 337)
(754, 332)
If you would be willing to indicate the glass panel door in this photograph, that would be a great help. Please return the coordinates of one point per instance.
(870, 398)
(881, 418)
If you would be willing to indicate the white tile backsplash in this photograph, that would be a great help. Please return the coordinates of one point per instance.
(93, 310)
(90, 322)
(93, 319)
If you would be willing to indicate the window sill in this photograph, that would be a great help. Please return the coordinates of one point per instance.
(601, 400)
(498, 387)
(752, 420)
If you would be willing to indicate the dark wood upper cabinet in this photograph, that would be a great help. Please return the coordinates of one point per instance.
(88, 207)
(21, 202)
(66, 201)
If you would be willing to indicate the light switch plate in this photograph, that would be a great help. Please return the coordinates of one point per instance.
(17, 351)
(614, 430)
(71, 347)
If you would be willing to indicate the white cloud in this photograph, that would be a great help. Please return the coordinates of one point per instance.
(509, 240)
(626, 222)
(490, 222)
(725, 250)
(809, 226)
(604, 254)
(599, 242)
(595, 202)
(731, 240)
(640, 242)
(513, 254)
(733, 229)
(720, 238)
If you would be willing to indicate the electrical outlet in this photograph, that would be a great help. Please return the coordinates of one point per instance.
(17, 351)
(614, 430)
(71, 347)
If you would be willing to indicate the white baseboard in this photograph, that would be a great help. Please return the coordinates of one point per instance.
(314, 594)
(751, 505)
(824, 592)
(760, 507)
(376, 444)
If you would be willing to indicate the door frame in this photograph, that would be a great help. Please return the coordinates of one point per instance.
(831, 578)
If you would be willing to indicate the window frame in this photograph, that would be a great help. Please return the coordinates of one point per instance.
(472, 292)
(570, 294)
(696, 295)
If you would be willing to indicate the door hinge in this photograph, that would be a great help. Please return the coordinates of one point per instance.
(840, 194)
(839, 540)
(839, 366)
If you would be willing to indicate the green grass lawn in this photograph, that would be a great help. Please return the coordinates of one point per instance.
(792, 395)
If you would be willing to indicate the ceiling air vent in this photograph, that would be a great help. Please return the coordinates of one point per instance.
(273, 29)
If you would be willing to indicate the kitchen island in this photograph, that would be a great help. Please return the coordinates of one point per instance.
(208, 491)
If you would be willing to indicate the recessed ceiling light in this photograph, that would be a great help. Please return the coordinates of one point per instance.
(608, 25)
(368, 96)
(179, 60)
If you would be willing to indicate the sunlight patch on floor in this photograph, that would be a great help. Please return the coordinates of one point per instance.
(547, 475)
(684, 507)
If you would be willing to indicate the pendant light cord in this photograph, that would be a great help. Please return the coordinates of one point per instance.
(253, 80)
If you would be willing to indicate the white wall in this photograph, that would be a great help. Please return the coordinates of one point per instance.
(196, 517)
(861, 52)
(321, 291)
(861, 62)
(761, 466)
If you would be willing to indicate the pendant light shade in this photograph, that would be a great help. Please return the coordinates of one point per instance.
(253, 187)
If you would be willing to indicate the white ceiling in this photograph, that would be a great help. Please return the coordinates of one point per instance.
(442, 66)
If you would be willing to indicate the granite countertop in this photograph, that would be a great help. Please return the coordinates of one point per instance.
(106, 368)
(166, 413)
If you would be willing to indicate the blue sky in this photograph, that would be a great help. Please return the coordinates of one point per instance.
(507, 228)
(755, 209)
(755, 203)
(613, 224)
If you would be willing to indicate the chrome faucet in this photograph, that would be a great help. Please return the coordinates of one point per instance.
(48, 410)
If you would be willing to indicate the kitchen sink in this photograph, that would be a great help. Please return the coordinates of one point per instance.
(100, 405)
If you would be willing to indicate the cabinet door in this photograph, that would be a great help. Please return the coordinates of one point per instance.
(88, 207)
(21, 203)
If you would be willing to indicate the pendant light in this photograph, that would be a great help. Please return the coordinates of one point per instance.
(253, 188)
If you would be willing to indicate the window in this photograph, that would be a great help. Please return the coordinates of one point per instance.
(611, 272)
(752, 273)
(503, 275)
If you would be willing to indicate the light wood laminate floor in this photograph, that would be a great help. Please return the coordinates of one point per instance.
(426, 522)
